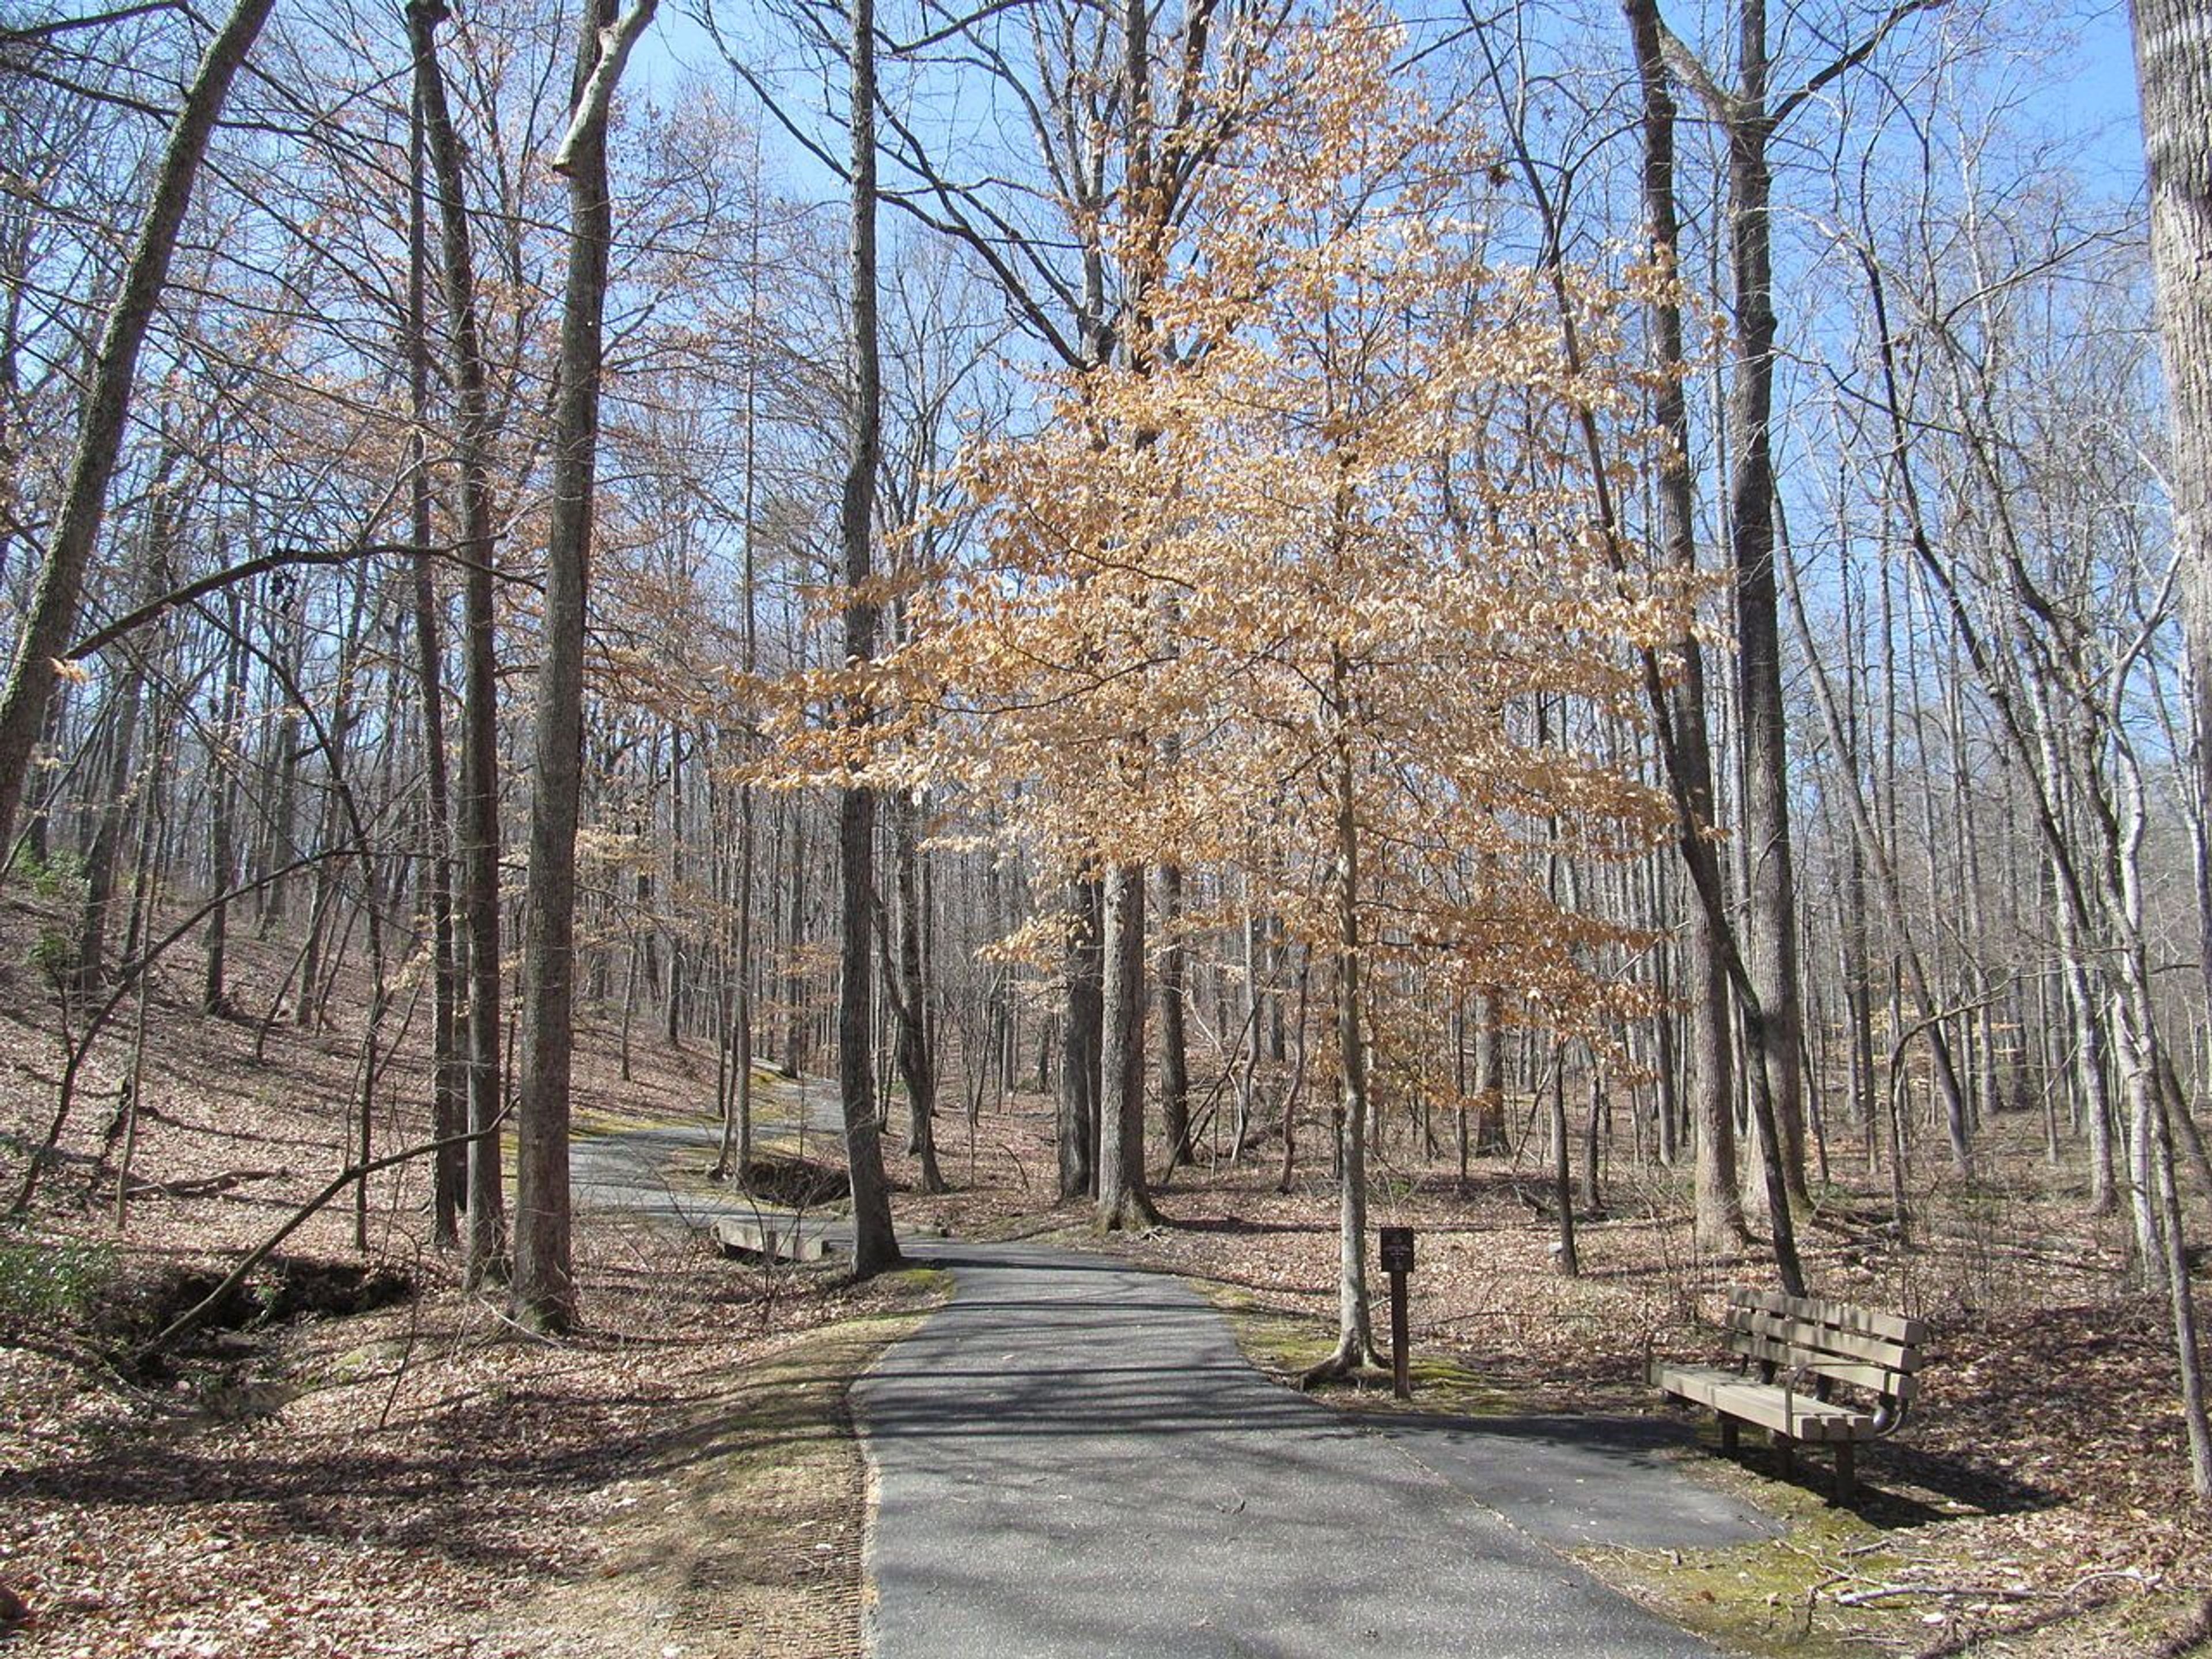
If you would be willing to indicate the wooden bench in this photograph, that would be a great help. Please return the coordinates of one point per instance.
(1806, 1369)
(773, 1238)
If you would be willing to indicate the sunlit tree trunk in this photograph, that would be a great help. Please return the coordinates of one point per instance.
(447, 1087)
(1355, 1339)
(544, 1291)
(479, 793)
(222, 768)
(875, 1246)
(2173, 58)
(1123, 1199)
(917, 1065)
(1719, 1206)
(1174, 1056)
(1080, 1049)
(1771, 937)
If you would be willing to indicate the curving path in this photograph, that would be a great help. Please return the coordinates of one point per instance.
(1072, 1459)
(657, 1174)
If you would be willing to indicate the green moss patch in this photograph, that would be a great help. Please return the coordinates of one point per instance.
(1774, 1597)
(1286, 1345)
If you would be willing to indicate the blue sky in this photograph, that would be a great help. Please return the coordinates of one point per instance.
(2088, 89)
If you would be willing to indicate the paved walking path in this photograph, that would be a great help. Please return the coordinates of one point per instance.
(659, 1175)
(1073, 1460)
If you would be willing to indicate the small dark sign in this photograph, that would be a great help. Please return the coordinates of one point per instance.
(1397, 1249)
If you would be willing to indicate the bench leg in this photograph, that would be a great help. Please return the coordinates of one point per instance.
(1847, 1475)
(1728, 1436)
(1784, 1454)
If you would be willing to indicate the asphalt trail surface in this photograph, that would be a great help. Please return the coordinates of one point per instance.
(1072, 1459)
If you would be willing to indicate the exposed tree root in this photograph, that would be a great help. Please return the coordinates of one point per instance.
(1354, 1356)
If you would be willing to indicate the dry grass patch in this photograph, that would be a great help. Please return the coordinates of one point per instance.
(748, 1543)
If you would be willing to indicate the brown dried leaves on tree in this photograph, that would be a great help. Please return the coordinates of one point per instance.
(1308, 586)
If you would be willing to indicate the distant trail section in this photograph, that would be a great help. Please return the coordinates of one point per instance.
(660, 1174)
(1073, 1460)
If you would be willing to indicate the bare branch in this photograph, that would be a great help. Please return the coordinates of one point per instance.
(25, 34)
(598, 90)
(1896, 15)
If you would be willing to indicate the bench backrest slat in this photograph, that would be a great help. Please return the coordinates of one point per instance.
(1844, 1316)
(1850, 1345)
(1875, 1379)
(1825, 1340)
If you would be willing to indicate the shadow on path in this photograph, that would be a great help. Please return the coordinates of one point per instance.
(1073, 1458)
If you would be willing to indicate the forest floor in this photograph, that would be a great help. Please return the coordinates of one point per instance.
(360, 1457)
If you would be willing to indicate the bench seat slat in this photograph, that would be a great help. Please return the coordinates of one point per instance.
(1798, 1416)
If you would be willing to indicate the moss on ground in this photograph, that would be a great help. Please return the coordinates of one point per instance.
(1767, 1597)
(1784, 1596)
(1286, 1345)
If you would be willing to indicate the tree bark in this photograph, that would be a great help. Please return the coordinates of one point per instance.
(544, 1292)
(2173, 62)
(911, 1001)
(448, 1111)
(1719, 1206)
(1771, 935)
(1355, 1339)
(479, 794)
(222, 771)
(1490, 1138)
(1175, 1044)
(89, 965)
(1080, 1045)
(875, 1246)
(1123, 1199)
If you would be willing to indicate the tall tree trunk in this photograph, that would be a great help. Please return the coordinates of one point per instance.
(910, 1002)
(672, 1008)
(110, 823)
(222, 771)
(1719, 1206)
(334, 738)
(2173, 59)
(279, 839)
(875, 1246)
(47, 632)
(1175, 1044)
(1123, 1199)
(450, 1170)
(544, 1291)
(1490, 1139)
(1081, 1046)
(479, 795)
(795, 1052)
(737, 1153)
(1771, 941)
(1355, 1339)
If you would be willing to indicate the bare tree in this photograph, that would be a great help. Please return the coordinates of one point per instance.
(875, 1244)
(2174, 57)
(544, 1291)
(479, 793)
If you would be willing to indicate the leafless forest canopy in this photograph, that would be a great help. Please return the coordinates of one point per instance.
(1606, 591)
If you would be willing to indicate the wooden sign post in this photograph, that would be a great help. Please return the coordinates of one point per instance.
(1398, 1262)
